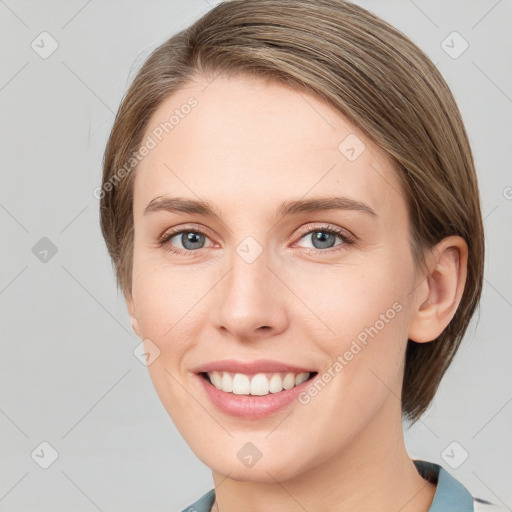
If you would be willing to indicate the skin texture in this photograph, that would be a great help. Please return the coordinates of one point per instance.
(247, 147)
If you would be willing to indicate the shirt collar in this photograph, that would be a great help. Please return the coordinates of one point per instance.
(450, 493)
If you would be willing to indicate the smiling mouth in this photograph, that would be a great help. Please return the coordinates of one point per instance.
(259, 384)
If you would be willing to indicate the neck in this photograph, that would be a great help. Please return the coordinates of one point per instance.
(373, 473)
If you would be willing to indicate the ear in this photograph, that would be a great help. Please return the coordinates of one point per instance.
(130, 304)
(438, 296)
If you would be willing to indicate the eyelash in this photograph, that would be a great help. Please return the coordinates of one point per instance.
(347, 239)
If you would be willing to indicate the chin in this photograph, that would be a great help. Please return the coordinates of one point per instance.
(264, 473)
(268, 469)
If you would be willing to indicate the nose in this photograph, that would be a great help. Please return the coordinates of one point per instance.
(250, 302)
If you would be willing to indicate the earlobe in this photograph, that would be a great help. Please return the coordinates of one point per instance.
(438, 297)
(131, 311)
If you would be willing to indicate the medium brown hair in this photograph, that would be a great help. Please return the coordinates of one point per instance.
(373, 75)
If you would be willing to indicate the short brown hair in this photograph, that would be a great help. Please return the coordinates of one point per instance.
(373, 75)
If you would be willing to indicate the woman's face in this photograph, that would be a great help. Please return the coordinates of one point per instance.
(271, 287)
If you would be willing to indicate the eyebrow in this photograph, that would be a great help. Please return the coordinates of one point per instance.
(292, 207)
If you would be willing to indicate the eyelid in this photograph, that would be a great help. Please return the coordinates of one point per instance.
(343, 232)
(169, 233)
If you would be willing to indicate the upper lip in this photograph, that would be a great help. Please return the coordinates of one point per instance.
(249, 367)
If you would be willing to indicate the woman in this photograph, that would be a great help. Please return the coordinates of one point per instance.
(290, 202)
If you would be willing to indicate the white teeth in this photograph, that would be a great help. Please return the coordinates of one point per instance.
(289, 381)
(276, 383)
(216, 379)
(227, 382)
(241, 384)
(260, 384)
(301, 377)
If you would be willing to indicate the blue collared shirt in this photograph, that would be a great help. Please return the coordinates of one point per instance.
(450, 495)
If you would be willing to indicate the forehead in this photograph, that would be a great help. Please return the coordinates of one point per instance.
(242, 141)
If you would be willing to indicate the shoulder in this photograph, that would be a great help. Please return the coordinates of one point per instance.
(481, 505)
(450, 493)
(203, 504)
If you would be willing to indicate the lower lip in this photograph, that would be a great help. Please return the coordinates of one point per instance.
(251, 406)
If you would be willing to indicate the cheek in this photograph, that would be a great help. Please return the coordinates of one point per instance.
(366, 316)
(363, 359)
(359, 301)
(169, 306)
(167, 299)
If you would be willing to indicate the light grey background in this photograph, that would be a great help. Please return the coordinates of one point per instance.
(68, 373)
